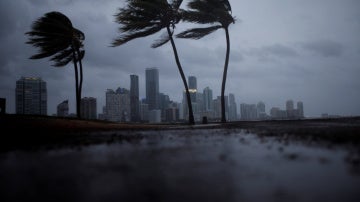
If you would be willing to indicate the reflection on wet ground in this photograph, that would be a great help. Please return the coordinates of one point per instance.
(184, 165)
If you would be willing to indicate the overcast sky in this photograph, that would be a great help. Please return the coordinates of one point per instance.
(304, 50)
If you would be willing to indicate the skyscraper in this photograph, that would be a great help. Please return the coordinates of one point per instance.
(232, 108)
(88, 108)
(192, 88)
(152, 88)
(134, 98)
(208, 99)
(31, 96)
(289, 105)
(290, 109)
(117, 107)
(300, 108)
(261, 110)
(192, 82)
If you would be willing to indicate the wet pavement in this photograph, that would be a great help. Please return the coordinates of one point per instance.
(184, 165)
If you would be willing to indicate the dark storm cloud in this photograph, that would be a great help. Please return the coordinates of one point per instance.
(325, 48)
(271, 52)
(279, 50)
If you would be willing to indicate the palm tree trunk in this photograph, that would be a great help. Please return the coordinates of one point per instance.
(76, 84)
(223, 114)
(191, 115)
(81, 77)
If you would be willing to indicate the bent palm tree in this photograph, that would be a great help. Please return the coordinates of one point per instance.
(218, 14)
(55, 36)
(142, 18)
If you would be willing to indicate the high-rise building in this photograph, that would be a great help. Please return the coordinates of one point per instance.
(232, 108)
(172, 114)
(217, 107)
(289, 105)
(291, 112)
(208, 100)
(277, 113)
(300, 109)
(117, 107)
(144, 111)
(261, 110)
(248, 111)
(192, 82)
(192, 88)
(152, 88)
(134, 98)
(63, 109)
(31, 96)
(88, 108)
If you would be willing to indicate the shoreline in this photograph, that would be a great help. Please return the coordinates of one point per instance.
(32, 132)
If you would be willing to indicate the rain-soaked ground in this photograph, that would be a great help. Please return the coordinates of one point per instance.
(184, 165)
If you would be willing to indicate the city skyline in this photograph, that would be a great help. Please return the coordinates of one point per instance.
(205, 93)
(285, 50)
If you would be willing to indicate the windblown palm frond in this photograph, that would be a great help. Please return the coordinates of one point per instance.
(141, 18)
(56, 38)
(163, 40)
(54, 35)
(216, 13)
(198, 33)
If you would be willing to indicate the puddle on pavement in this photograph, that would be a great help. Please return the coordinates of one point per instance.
(184, 165)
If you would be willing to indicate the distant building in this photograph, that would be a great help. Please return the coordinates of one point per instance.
(232, 108)
(164, 102)
(2, 106)
(277, 113)
(31, 96)
(134, 98)
(248, 111)
(144, 112)
(88, 108)
(217, 108)
(289, 105)
(155, 116)
(261, 110)
(117, 106)
(300, 108)
(192, 88)
(290, 111)
(172, 114)
(208, 100)
(152, 88)
(63, 109)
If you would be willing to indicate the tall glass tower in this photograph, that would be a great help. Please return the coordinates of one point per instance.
(208, 99)
(134, 98)
(152, 88)
(192, 88)
(31, 96)
(192, 82)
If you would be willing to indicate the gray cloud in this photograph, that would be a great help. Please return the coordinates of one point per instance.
(325, 48)
(271, 53)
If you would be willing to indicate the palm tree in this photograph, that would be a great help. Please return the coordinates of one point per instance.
(55, 36)
(141, 18)
(217, 13)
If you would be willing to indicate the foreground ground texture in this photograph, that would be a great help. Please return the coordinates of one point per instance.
(48, 159)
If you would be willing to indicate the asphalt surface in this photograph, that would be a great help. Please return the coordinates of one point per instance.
(185, 164)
